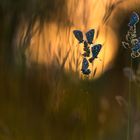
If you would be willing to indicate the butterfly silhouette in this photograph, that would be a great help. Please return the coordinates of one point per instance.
(136, 50)
(95, 51)
(89, 36)
(85, 66)
(134, 19)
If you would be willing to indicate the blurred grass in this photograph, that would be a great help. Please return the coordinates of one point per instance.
(31, 108)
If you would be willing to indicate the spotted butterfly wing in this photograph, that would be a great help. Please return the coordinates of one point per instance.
(90, 36)
(134, 19)
(136, 47)
(85, 66)
(86, 72)
(78, 35)
(95, 51)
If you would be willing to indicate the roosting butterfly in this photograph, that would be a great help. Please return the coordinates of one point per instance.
(85, 66)
(133, 42)
(136, 50)
(89, 36)
(95, 51)
(134, 19)
(79, 35)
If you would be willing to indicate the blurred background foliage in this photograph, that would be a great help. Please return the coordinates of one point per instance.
(46, 103)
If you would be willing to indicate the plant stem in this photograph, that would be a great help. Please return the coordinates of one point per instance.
(129, 107)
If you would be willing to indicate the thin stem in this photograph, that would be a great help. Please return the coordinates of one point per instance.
(103, 59)
(129, 107)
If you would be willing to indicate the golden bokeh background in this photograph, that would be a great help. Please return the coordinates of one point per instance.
(55, 41)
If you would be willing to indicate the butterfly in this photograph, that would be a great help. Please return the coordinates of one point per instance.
(78, 35)
(136, 50)
(134, 19)
(89, 36)
(95, 51)
(85, 66)
(136, 47)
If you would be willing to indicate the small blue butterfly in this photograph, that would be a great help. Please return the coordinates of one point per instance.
(136, 47)
(136, 50)
(79, 35)
(95, 51)
(134, 19)
(89, 36)
(85, 66)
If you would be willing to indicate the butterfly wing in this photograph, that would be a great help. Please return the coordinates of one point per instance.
(95, 50)
(136, 47)
(90, 36)
(134, 19)
(86, 72)
(85, 64)
(78, 35)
